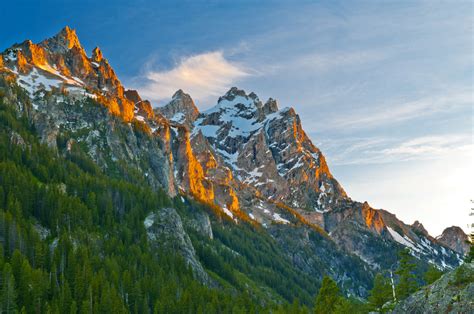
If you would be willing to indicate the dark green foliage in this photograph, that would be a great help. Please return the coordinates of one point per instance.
(432, 274)
(93, 255)
(252, 252)
(329, 297)
(407, 282)
(381, 293)
(462, 277)
(72, 240)
(8, 296)
(470, 255)
(330, 300)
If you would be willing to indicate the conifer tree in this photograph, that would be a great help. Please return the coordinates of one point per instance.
(406, 278)
(381, 293)
(9, 294)
(328, 297)
(470, 255)
(432, 274)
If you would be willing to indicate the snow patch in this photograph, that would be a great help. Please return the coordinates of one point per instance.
(179, 117)
(253, 176)
(278, 218)
(149, 220)
(228, 212)
(402, 240)
(33, 81)
(208, 130)
(10, 56)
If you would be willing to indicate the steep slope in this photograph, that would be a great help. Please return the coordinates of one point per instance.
(61, 62)
(246, 159)
(151, 148)
(268, 149)
(269, 153)
(73, 238)
(455, 239)
(452, 293)
(181, 109)
(58, 77)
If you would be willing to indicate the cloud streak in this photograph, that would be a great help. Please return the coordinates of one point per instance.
(330, 61)
(203, 76)
(366, 151)
(395, 113)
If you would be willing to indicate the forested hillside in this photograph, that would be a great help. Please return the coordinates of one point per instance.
(73, 238)
(108, 205)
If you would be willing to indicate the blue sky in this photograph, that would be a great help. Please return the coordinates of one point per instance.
(384, 88)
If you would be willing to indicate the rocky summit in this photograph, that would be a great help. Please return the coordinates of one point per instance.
(247, 159)
(455, 238)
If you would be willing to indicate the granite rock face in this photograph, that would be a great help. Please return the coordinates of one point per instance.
(455, 239)
(268, 149)
(248, 160)
(181, 109)
(452, 293)
(61, 62)
(165, 230)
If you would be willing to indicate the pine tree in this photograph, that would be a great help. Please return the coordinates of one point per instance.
(432, 274)
(328, 297)
(470, 255)
(9, 294)
(406, 278)
(381, 293)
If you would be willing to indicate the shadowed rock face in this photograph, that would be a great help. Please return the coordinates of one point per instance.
(455, 239)
(419, 228)
(249, 160)
(165, 230)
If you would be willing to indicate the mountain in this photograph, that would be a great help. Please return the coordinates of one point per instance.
(243, 171)
(181, 109)
(455, 238)
(60, 61)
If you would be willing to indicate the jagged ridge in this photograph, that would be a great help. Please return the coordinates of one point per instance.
(249, 158)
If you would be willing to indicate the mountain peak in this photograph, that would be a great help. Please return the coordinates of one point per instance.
(180, 109)
(180, 94)
(235, 91)
(418, 226)
(63, 63)
(453, 229)
(243, 104)
(454, 238)
(97, 55)
(271, 106)
(63, 41)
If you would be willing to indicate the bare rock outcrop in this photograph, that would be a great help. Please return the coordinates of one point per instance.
(455, 239)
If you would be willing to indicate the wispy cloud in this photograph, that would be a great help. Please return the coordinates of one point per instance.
(363, 151)
(203, 76)
(429, 146)
(337, 59)
(395, 113)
